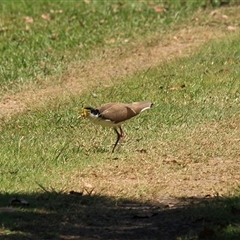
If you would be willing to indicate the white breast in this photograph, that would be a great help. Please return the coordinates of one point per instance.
(103, 122)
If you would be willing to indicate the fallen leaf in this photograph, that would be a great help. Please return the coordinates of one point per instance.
(46, 17)
(28, 19)
(214, 12)
(224, 16)
(159, 9)
(231, 28)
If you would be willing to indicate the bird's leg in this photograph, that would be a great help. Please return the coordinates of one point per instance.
(120, 137)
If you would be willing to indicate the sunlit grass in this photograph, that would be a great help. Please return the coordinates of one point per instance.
(50, 141)
(42, 39)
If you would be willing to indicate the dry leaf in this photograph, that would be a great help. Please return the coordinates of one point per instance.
(46, 17)
(28, 19)
(231, 28)
(224, 16)
(214, 12)
(159, 9)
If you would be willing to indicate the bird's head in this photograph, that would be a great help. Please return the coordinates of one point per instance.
(86, 112)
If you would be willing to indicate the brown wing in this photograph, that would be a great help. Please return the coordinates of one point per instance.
(106, 106)
(117, 112)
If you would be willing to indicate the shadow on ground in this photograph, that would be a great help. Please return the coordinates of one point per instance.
(52, 215)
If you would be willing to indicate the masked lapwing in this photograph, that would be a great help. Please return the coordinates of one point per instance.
(114, 115)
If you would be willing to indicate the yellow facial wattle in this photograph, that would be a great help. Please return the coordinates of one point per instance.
(84, 113)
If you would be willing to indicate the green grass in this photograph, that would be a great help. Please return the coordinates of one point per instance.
(41, 39)
(47, 152)
(44, 147)
(52, 138)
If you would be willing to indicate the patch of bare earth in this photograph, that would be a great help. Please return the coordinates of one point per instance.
(106, 68)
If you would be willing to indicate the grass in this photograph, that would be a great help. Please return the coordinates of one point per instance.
(44, 36)
(177, 171)
(52, 148)
(42, 39)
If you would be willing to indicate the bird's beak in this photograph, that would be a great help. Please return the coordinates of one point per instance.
(84, 114)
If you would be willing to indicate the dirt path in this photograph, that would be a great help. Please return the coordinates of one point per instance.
(106, 68)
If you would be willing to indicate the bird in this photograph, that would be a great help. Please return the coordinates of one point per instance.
(114, 114)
